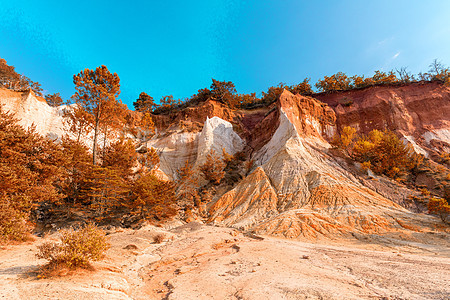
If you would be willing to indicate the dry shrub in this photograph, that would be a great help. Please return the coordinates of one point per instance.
(13, 225)
(159, 238)
(76, 249)
(439, 207)
(381, 151)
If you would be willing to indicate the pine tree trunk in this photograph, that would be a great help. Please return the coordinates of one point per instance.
(94, 147)
(79, 136)
(104, 140)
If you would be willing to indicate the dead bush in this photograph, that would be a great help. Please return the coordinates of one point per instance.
(76, 249)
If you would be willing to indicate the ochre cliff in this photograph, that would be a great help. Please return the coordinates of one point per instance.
(418, 111)
(30, 109)
(296, 188)
(297, 191)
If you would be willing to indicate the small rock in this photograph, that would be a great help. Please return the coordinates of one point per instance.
(236, 247)
(130, 247)
(234, 233)
(305, 257)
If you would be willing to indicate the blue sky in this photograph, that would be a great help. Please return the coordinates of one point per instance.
(176, 47)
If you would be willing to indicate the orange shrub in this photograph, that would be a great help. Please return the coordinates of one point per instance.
(440, 207)
(153, 198)
(386, 153)
(77, 248)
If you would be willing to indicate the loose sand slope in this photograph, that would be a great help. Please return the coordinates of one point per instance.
(204, 262)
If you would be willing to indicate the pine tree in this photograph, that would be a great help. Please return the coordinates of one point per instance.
(31, 168)
(77, 121)
(96, 92)
(54, 100)
(187, 184)
(144, 103)
(153, 198)
(213, 169)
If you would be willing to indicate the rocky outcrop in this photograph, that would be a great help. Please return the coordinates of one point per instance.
(297, 191)
(310, 117)
(193, 118)
(32, 110)
(418, 111)
(177, 146)
(174, 148)
(218, 135)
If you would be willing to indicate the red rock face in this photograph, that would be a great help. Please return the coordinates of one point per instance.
(259, 126)
(194, 117)
(411, 109)
(309, 116)
(256, 126)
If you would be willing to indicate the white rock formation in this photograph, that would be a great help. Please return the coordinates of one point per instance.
(179, 146)
(298, 191)
(175, 149)
(218, 134)
(29, 109)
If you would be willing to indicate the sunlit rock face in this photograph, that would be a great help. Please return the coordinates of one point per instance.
(298, 192)
(296, 189)
(174, 149)
(179, 146)
(419, 111)
(218, 135)
(30, 109)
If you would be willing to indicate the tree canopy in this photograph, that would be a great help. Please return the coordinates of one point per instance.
(96, 93)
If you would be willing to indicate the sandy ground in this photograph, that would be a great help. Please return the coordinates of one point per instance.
(204, 262)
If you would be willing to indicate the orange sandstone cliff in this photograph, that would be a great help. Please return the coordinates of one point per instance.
(295, 188)
(420, 111)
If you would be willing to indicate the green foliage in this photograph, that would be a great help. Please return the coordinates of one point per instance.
(233, 166)
(187, 184)
(347, 137)
(13, 223)
(96, 94)
(104, 189)
(341, 82)
(272, 94)
(386, 153)
(201, 96)
(153, 198)
(224, 91)
(335, 82)
(121, 156)
(54, 100)
(77, 248)
(302, 88)
(78, 166)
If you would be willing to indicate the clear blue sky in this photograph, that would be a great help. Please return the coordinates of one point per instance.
(175, 47)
